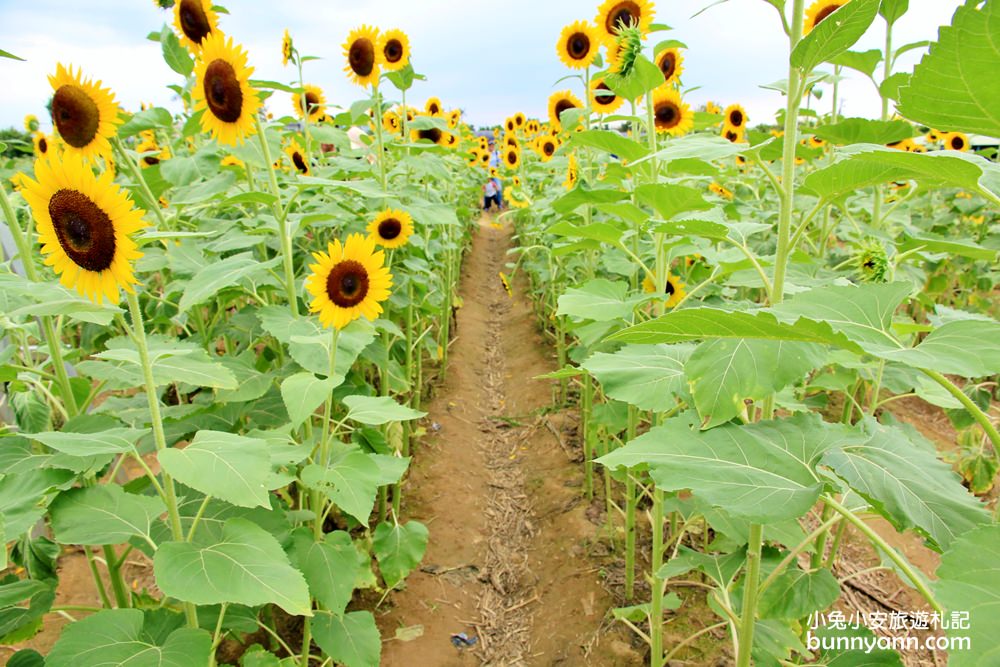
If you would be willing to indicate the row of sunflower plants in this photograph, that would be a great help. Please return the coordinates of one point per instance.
(740, 310)
(242, 424)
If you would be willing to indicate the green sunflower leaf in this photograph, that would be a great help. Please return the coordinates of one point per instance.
(834, 34)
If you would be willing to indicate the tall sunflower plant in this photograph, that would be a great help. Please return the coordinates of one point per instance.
(740, 308)
(225, 444)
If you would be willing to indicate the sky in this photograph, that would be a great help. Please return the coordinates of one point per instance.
(491, 59)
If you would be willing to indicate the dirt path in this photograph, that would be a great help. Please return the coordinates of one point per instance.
(496, 484)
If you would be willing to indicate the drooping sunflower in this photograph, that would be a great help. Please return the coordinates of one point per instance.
(84, 225)
(818, 11)
(559, 102)
(194, 20)
(348, 281)
(670, 114)
(578, 44)
(286, 48)
(511, 157)
(394, 46)
(572, 173)
(720, 190)
(614, 13)
(363, 57)
(315, 102)
(671, 63)
(674, 289)
(433, 106)
(391, 228)
(42, 144)
(735, 118)
(297, 155)
(84, 113)
(602, 99)
(546, 147)
(31, 123)
(956, 141)
(222, 90)
(390, 121)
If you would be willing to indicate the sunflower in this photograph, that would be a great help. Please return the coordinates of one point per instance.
(719, 190)
(454, 118)
(449, 140)
(602, 99)
(394, 46)
(473, 157)
(516, 181)
(578, 44)
(818, 11)
(612, 14)
(232, 161)
(546, 147)
(505, 282)
(735, 136)
(432, 134)
(512, 157)
(84, 113)
(363, 57)
(674, 289)
(670, 114)
(433, 106)
(671, 63)
(348, 281)
(509, 125)
(391, 228)
(42, 144)
(572, 173)
(933, 136)
(286, 48)
(390, 121)
(712, 107)
(31, 123)
(815, 142)
(84, 226)
(194, 20)
(297, 155)
(559, 102)
(956, 141)
(531, 127)
(484, 159)
(735, 118)
(315, 102)
(511, 140)
(904, 144)
(149, 145)
(222, 90)
(519, 119)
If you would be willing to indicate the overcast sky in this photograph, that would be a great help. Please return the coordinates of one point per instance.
(489, 58)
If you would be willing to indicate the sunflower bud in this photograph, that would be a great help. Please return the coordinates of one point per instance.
(629, 48)
(872, 262)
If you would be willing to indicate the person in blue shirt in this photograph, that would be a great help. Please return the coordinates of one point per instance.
(495, 164)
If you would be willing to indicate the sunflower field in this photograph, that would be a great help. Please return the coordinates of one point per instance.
(275, 391)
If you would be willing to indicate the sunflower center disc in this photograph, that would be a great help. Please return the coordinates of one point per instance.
(668, 65)
(299, 162)
(393, 51)
(608, 97)
(666, 115)
(389, 229)
(43, 145)
(347, 284)
(222, 91)
(669, 289)
(433, 134)
(361, 56)
(85, 232)
(548, 148)
(625, 13)
(194, 23)
(957, 143)
(732, 136)
(579, 46)
(76, 115)
(563, 105)
(736, 118)
(823, 13)
(311, 101)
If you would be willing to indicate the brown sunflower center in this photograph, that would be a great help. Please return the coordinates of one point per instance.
(736, 118)
(75, 115)
(361, 56)
(222, 91)
(511, 157)
(732, 136)
(389, 229)
(668, 63)
(433, 134)
(578, 46)
(312, 101)
(823, 13)
(43, 146)
(957, 143)
(563, 105)
(299, 162)
(548, 148)
(433, 109)
(624, 13)
(605, 96)
(393, 51)
(669, 289)
(667, 114)
(84, 231)
(347, 284)
(194, 21)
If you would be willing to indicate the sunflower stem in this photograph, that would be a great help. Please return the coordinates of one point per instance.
(286, 239)
(324, 443)
(377, 121)
(159, 436)
(656, 583)
(305, 113)
(135, 172)
(52, 336)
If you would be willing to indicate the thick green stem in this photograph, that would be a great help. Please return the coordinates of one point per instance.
(377, 120)
(323, 460)
(917, 581)
(115, 575)
(306, 641)
(586, 407)
(281, 218)
(656, 604)
(136, 172)
(981, 417)
(748, 616)
(98, 581)
(631, 500)
(159, 437)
